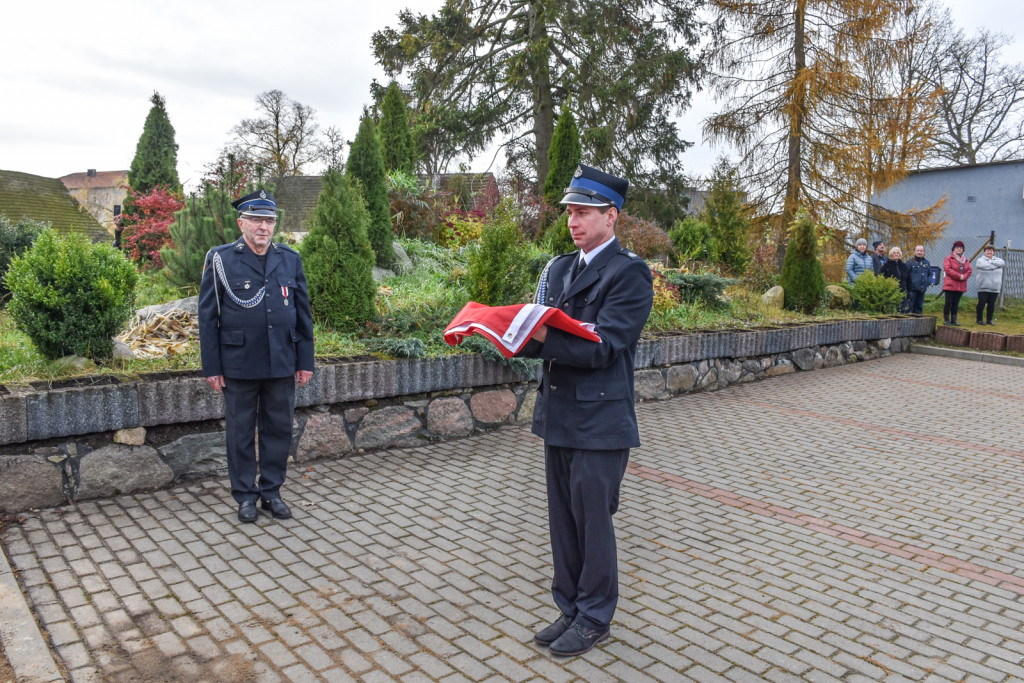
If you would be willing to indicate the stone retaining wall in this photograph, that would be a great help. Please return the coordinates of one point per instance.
(84, 442)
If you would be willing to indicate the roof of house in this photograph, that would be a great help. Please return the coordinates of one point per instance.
(76, 181)
(961, 167)
(23, 195)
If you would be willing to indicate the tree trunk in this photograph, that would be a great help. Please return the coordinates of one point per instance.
(543, 110)
(797, 107)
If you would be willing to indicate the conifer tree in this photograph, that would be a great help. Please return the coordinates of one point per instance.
(563, 157)
(396, 142)
(337, 256)
(208, 220)
(366, 164)
(728, 218)
(156, 154)
(802, 277)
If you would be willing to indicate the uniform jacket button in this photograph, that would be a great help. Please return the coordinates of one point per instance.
(553, 387)
(601, 394)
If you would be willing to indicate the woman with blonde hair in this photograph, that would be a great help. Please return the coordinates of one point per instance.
(899, 271)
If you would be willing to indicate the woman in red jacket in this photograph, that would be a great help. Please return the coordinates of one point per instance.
(957, 269)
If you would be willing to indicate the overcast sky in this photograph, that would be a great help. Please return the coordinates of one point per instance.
(76, 77)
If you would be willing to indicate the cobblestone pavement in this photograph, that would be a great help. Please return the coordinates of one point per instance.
(863, 523)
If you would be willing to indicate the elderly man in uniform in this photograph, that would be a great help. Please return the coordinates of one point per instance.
(256, 342)
(585, 411)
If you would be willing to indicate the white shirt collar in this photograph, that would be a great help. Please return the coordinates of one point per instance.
(590, 256)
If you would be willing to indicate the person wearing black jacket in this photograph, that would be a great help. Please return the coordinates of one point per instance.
(920, 278)
(895, 268)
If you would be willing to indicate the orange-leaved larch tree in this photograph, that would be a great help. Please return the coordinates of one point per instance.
(790, 76)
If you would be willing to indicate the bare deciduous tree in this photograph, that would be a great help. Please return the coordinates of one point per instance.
(982, 101)
(282, 137)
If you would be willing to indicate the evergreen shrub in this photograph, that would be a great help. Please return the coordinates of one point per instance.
(874, 294)
(15, 238)
(500, 272)
(557, 238)
(337, 256)
(71, 296)
(207, 221)
(706, 288)
(802, 277)
(692, 240)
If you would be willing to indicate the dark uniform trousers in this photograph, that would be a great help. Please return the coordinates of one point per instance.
(583, 494)
(269, 405)
(585, 414)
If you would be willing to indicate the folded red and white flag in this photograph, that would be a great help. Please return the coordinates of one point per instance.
(510, 327)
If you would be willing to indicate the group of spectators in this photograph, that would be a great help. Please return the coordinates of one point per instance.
(914, 277)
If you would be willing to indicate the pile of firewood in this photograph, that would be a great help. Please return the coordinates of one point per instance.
(161, 335)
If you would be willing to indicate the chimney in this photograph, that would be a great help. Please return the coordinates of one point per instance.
(91, 172)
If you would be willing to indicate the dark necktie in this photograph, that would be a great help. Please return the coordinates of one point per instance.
(578, 267)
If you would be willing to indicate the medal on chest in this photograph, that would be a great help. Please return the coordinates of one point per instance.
(284, 293)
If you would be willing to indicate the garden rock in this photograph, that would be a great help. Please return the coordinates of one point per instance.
(833, 357)
(403, 264)
(681, 378)
(122, 351)
(381, 274)
(774, 297)
(783, 367)
(135, 436)
(390, 426)
(804, 359)
(493, 407)
(119, 469)
(27, 481)
(324, 436)
(839, 298)
(196, 455)
(649, 384)
(525, 414)
(449, 418)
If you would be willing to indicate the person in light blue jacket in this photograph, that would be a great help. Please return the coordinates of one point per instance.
(859, 261)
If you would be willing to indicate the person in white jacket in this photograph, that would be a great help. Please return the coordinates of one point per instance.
(989, 280)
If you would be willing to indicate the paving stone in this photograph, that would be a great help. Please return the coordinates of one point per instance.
(761, 538)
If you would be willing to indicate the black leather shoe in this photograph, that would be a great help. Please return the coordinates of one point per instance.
(247, 511)
(955, 324)
(578, 640)
(551, 633)
(277, 508)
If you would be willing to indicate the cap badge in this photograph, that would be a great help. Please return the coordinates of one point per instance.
(578, 172)
(263, 195)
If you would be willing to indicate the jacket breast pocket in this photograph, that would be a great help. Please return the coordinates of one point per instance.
(232, 337)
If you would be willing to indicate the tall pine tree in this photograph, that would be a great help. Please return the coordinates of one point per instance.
(396, 141)
(563, 157)
(208, 220)
(366, 164)
(156, 154)
(337, 257)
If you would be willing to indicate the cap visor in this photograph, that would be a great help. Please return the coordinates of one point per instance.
(576, 198)
(259, 212)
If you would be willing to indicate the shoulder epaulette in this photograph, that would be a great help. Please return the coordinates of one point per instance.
(627, 252)
(284, 246)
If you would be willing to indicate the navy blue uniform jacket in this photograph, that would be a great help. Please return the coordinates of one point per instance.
(269, 340)
(585, 398)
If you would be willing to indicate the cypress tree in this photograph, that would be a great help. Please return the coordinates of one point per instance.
(156, 154)
(366, 164)
(563, 156)
(337, 256)
(802, 277)
(395, 138)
